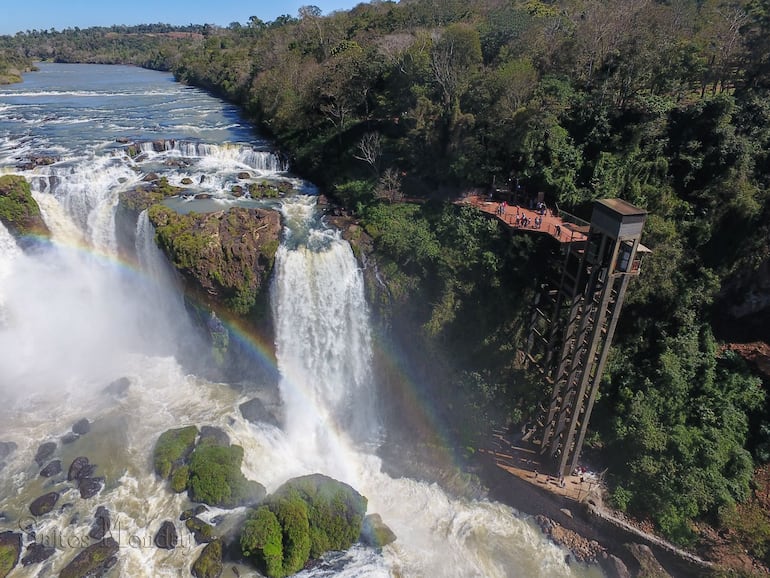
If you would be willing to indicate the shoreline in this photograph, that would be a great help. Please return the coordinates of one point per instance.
(584, 528)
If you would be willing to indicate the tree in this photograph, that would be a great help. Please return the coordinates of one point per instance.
(370, 151)
(389, 187)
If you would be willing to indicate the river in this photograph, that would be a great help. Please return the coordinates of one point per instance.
(76, 315)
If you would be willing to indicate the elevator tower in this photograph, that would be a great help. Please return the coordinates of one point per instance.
(573, 322)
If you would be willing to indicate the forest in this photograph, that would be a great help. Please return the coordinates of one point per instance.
(662, 103)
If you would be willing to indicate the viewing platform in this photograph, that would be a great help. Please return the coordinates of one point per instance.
(562, 226)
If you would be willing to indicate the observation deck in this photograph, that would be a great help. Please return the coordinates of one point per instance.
(560, 225)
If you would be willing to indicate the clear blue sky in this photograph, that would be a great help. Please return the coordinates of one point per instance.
(17, 15)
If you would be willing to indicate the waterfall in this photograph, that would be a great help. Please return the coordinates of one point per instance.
(323, 341)
(263, 161)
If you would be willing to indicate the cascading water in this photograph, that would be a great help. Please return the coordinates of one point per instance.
(323, 343)
(75, 316)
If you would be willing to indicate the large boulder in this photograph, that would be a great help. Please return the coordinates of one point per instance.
(81, 427)
(225, 256)
(303, 519)
(209, 563)
(18, 210)
(10, 550)
(375, 533)
(215, 478)
(93, 561)
(77, 467)
(335, 511)
(167, 537)
(256, 412)
(201, 531)
(172, 449)
(44, 504)
(101, 524)
(80, 469)
(44, 451)
(52, 469)
(36, 553)
(89, 487)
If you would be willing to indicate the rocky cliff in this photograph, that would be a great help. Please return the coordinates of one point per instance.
(226, 257)
(18, 210)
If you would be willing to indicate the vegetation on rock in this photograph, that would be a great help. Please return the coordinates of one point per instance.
(172, 449)
(662, 104)
(18, 210)
(10, 550)
(94, 560)
(303, 519)
(209, 563)
(262, 541)
(216, 479)
(229, 255)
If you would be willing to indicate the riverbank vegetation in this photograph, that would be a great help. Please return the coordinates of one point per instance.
(662, 104)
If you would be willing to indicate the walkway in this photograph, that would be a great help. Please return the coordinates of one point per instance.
(552, 223)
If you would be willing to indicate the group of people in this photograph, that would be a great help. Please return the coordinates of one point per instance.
(523, 220)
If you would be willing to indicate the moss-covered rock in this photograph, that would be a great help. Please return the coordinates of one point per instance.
(93, 561)
(227, 256)
(314, 514)
(18, 210)
(172, 448)
(151, 191)
(180, 479)
(10, 550)
(292, 515)
(209, 563)
(216, 478)
(201, 531)
(262, 541)
(335, 511)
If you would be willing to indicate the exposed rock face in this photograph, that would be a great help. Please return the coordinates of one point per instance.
(76, 467)
(214, 435)
(81, 427)
(167, 537)
(584, 550)
(227, 256)
(375, 532)
(119, 387)
(10, 550)
(255, 412)
(18, 210)
(89, 487)
(51, 469)
(648, 564)
(44, 504)
(201, 531)
(93, 561)
(69, 437)
(209, 563)
(101, 524)
(44, 452)
(37, 553)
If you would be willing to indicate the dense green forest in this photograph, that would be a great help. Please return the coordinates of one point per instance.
(663, 103)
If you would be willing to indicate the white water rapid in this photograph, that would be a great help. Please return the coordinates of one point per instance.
(77, 314)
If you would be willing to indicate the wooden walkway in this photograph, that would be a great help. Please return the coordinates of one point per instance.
(552, 224)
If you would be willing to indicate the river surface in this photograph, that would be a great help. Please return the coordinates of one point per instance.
(76, 315)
